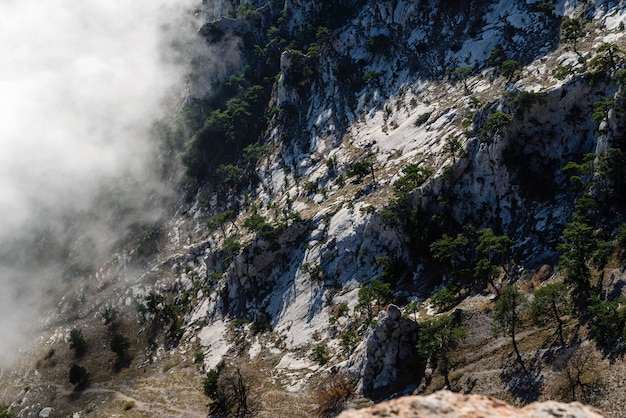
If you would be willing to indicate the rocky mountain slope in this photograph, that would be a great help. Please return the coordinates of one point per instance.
(328, 158)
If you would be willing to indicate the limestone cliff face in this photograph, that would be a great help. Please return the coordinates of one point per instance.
(358, 94)
(387, 355)
(391, 53)
(498, 183)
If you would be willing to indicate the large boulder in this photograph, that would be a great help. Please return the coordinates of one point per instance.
(387, 359)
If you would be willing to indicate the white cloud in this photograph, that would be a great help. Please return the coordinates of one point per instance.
(81, 83)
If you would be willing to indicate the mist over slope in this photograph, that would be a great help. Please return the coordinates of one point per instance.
(82, 85)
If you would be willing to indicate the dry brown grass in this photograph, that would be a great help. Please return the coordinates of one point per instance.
(331, 396)
(541, 276)
(485, 306)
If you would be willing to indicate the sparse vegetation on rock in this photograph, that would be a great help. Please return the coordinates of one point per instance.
(349, 223)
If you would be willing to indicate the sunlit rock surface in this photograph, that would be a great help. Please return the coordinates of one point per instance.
(449, 404)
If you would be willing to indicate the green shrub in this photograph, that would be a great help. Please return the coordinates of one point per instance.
(608, 319)
(378, 44)
(246, 11)
(320, 354)
(232, 244)
(120, 345)
(494, 124)
(229, 177)
(519, 103)
(198, 357)
(74, 271)
(78, 376)
(254, 152)
(414, 175)
(349, 341)
(240, 322)
(210, 381)
(496, 56)
(444, 298)
(315, 271)
(4, 412)
(564, 71)
(370, 76)
(422, 119)
(392, 269)
(462, 73)
(255, 222)
(509, 67)
(109, 315)
(310, 187)
(546, 7)
(78, 343)
(359, 170)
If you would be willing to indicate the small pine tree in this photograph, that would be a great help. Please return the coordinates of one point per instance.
(78, 376)
(580, 249)
(413, 308)
(444, 298)
(371, 298)
(462, 73)
(120, 345)
(508, 314)
(453, 147)
(550, 304)
(437, 339)
(509, 67)
(571, 31)
(109, 315)
(77, 343)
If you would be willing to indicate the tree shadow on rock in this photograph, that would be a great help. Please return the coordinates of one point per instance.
(523, 381)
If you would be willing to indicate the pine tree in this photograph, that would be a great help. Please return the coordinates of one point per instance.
(437, 339)
(550, 304)
(508, 314)
(78, 343)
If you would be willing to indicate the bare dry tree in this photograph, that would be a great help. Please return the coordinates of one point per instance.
(579, 374)
(230, 394)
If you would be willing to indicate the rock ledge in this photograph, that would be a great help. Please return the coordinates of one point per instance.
(446, 404)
